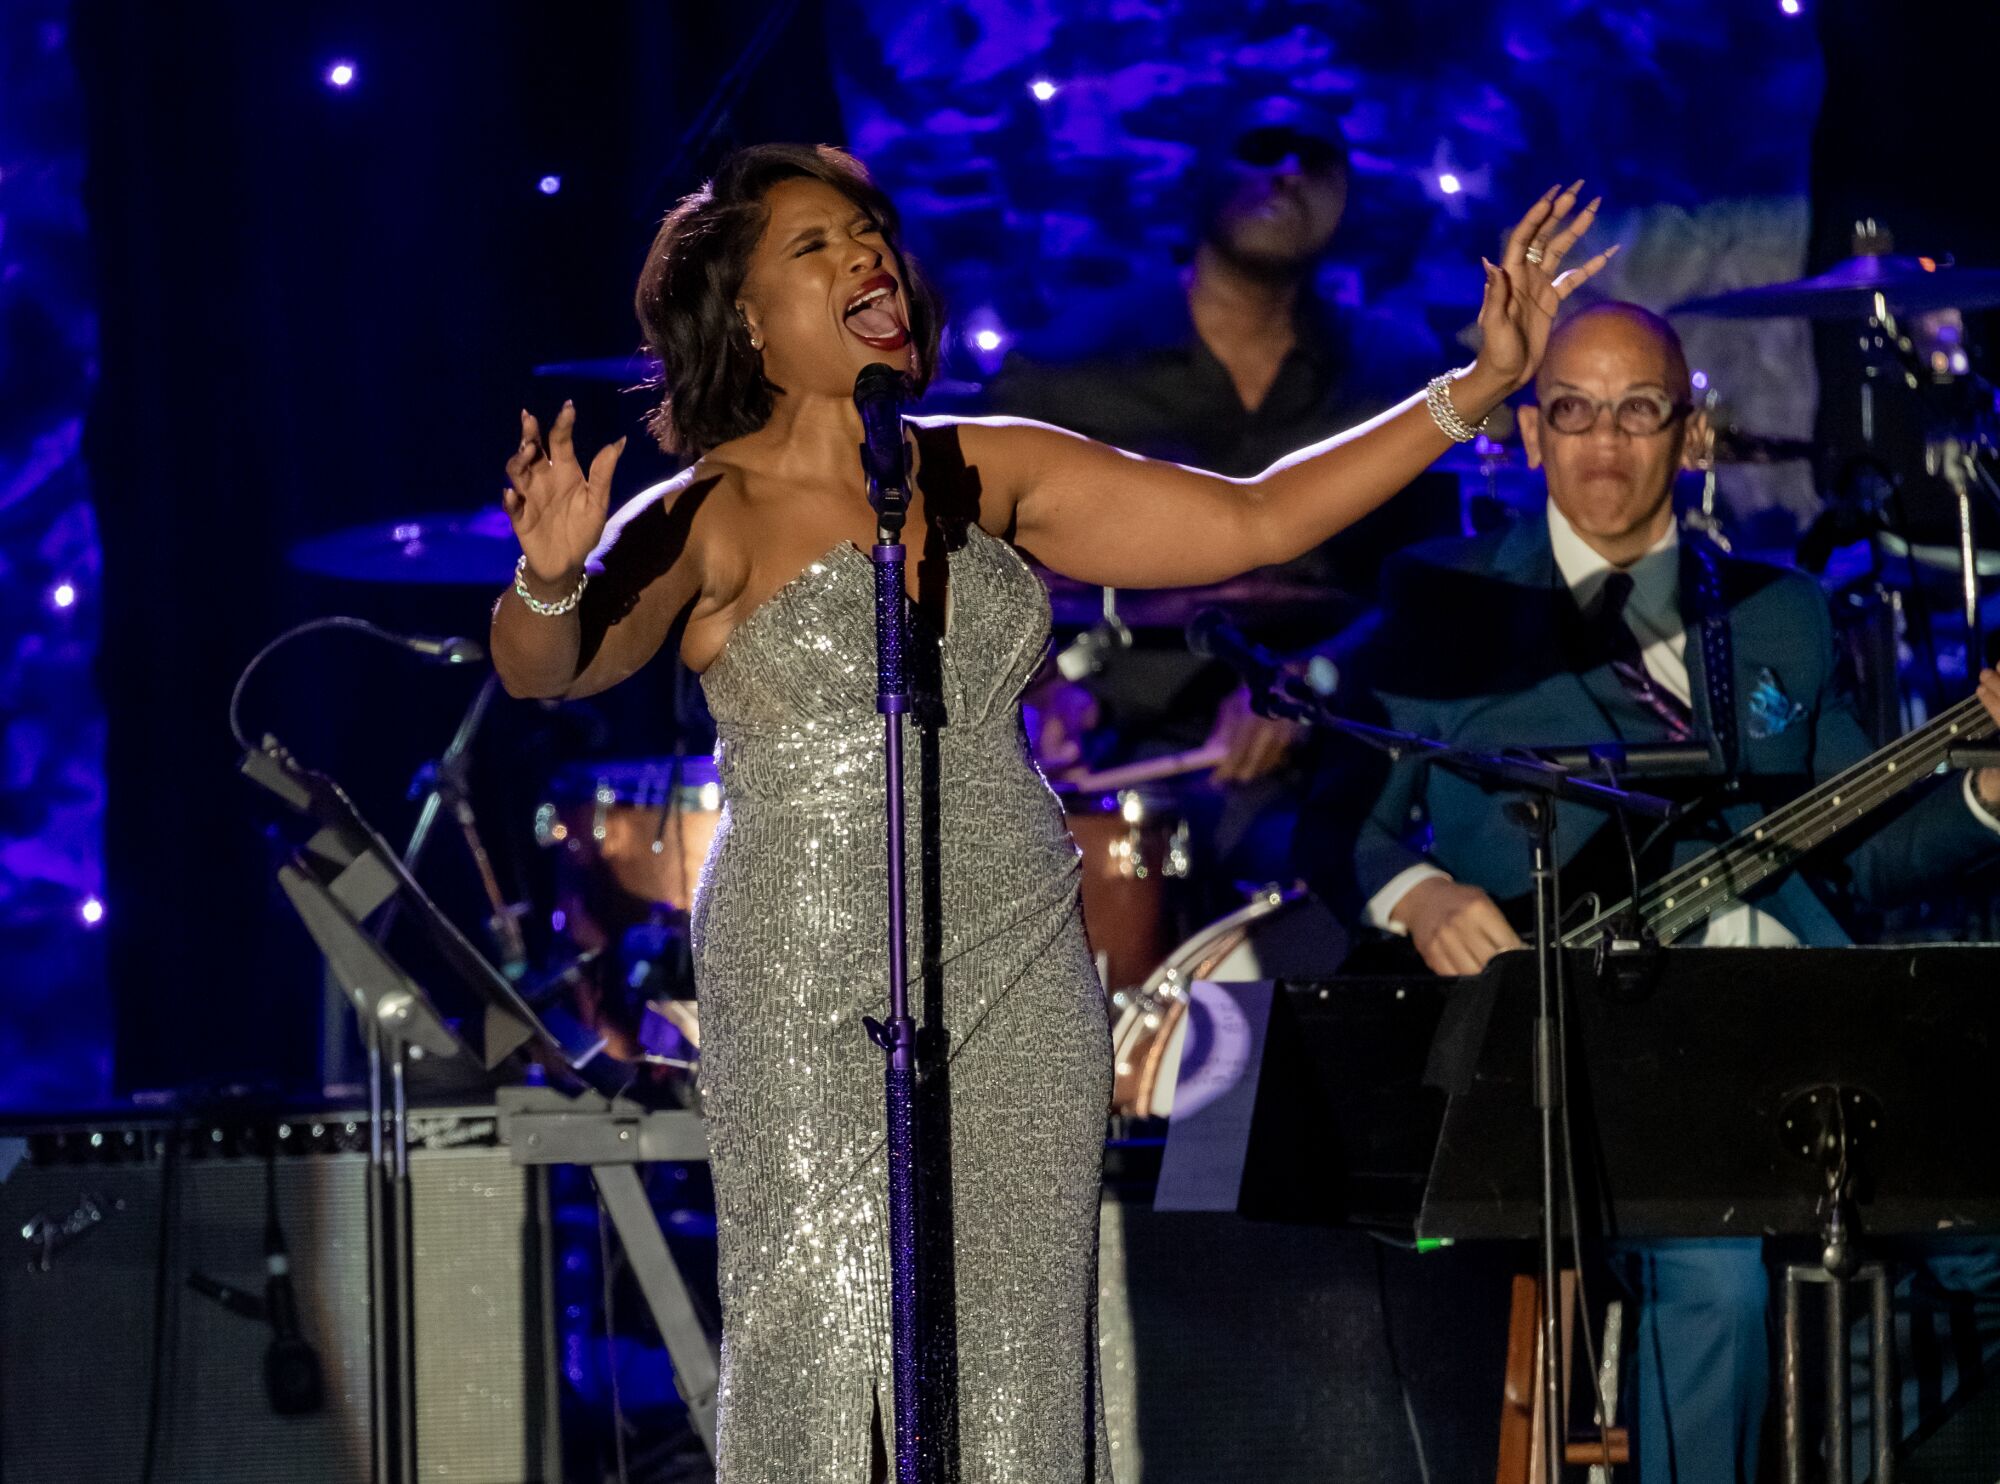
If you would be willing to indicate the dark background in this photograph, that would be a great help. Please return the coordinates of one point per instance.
(319, 308)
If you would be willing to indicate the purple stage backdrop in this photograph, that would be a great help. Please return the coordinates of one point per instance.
(55, 1024)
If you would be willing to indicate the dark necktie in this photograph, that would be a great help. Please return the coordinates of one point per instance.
(1628, 661)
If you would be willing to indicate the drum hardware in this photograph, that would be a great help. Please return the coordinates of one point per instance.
(1856, 287)
(1084, 655)
(1132, 843)
(630, 838)
(1911, 310)
(442, 785)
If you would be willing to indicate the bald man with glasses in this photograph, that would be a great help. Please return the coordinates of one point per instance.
(1589, 623)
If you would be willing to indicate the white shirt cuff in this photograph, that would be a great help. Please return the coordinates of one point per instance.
(1384, 901)
(1981, 810)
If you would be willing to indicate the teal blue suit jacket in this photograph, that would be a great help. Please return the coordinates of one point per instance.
(1478, 645)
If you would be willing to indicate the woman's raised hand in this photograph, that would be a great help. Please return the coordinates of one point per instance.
(558, 512)
(1530, 284)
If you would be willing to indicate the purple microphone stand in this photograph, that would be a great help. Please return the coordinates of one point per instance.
(879, 393)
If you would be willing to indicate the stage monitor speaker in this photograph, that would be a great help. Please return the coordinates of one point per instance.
(1236, 1351)
(84, 1208)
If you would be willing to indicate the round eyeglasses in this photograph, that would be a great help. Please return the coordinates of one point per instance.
(1640, 414)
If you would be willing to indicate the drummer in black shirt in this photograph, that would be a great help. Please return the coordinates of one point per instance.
(1259, 367)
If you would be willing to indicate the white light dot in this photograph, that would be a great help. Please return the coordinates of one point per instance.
(1790, 7)
(1043, 89)
(1700, 380)
(92, 911)
(340, 74)
(1450, 184)
(987, 339)
(548, 185)
(64, 594)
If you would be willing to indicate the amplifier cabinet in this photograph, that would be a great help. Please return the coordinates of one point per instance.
(104, 1221)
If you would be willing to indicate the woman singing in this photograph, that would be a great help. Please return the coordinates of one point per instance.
(764, 294)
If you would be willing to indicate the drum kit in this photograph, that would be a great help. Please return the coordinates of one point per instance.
(628, 837)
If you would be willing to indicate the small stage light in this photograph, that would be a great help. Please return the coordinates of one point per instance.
(63, 595)
(92, 912)
(340, 74)
(548, 185)
(1043, 89)
(987, 339)
(1790, 7)
(1450, 184)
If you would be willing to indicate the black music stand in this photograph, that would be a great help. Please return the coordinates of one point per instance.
(335, 881)
(1742, 1092)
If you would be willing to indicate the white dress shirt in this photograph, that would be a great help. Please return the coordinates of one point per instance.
(1653, 613)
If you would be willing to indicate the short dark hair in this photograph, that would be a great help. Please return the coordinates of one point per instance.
(713, 384)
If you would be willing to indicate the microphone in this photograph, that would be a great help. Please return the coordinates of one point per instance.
(1086, 654)
(450, 650)
(292, 1379)
(879, 394)
(1211, 635)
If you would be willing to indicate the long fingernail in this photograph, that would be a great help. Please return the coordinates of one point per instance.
(568, 405)
(1595, 202)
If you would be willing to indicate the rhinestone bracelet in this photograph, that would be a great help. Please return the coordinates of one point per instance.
(1437, 397)
(535, 604)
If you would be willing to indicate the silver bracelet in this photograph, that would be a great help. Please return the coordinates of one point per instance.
(535, 604)
(1437, 397)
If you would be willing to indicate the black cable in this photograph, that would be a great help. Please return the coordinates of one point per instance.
(162, 1252)
(1395, 1360)
(1631, 850)
(1563, 1099)
(455, 651)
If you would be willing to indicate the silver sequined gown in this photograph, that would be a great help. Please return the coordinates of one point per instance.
(790, 954)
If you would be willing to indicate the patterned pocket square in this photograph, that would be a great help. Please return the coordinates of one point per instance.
(1771, 710)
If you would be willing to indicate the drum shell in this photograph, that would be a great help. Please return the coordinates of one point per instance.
(1281, 934)
(1134, 845)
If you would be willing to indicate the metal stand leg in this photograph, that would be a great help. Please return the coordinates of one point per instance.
(381, 1321)
(1791, 1385)
(1839, 1424)
(1883, 1424)
(1882, 1366)
(695, 1371)
(392, 1331)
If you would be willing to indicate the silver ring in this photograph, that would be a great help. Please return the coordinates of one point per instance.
(1534, 254)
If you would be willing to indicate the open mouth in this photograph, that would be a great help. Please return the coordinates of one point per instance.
(874, 317)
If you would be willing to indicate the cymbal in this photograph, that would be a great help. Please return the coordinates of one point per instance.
(1078, 605)
(638, 369)
(472, 547)
(1847, 290)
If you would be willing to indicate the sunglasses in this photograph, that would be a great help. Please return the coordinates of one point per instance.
(1272, 144)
